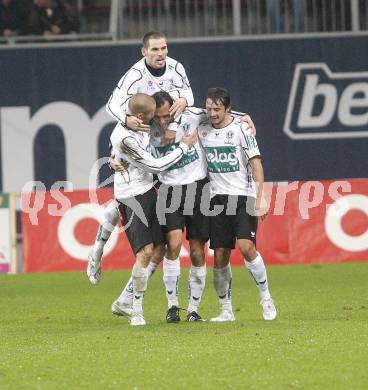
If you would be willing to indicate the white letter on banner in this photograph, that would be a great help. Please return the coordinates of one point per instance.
(80, 132)
(349, 101)
(69, 221)
(311, 91)
(333, 226)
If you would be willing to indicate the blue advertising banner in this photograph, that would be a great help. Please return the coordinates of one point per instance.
(307, 97)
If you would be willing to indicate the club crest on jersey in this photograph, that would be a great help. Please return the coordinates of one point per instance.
(185, 127)
(204, 134)
(156, 134)
(229, 137)
(150, 83)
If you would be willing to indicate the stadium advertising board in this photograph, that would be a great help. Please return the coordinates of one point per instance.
(308, 101)
(307, 222)
(5, 251)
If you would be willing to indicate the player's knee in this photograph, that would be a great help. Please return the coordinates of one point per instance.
(173, 244)
(158, 253)
(197, 255)
(247, 249)
(145, 255)
(221, 257)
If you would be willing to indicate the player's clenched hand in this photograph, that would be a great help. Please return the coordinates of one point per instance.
(248, 120)
(117, 166)
(178, 107)
(137, 124)
(190, 140)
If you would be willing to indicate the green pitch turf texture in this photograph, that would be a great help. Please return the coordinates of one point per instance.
(57, 332)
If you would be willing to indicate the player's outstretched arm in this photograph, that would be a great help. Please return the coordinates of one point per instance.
(143, 159)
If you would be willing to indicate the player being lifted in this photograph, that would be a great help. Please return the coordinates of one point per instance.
(136, 196)
(236, 184)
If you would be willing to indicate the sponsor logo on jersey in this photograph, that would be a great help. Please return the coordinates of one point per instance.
(222, 159)
(188, 158)
(325, 105)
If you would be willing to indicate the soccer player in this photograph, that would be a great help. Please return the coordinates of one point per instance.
(136, 197)
(154, 72)
(236, 178)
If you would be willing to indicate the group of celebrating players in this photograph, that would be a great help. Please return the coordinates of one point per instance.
(210, 180)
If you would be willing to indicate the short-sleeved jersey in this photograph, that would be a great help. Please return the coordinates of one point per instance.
(133, 148)
(138, 79)
(192, 166)
(228, 151)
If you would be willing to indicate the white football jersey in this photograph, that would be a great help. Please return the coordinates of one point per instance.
(133, 148)
(228, 151)
(138, 79)
(192, 166)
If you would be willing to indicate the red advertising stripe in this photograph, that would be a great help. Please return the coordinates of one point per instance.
(61, 243)
(308, 222)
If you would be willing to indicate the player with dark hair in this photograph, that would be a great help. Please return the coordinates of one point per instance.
(236, 176)
(154, 72)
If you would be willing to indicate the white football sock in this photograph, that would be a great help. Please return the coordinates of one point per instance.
(110, 220)
(171, 278)
(222, 280)
(197, 282)
(126, 296)
(140, 279)
(257, 270)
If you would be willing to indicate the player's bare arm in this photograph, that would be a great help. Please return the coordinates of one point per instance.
(258, 177)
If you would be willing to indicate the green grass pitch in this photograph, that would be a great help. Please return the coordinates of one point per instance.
(57, 332)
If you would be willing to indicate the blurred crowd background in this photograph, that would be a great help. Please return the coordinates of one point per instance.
(45, 20)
